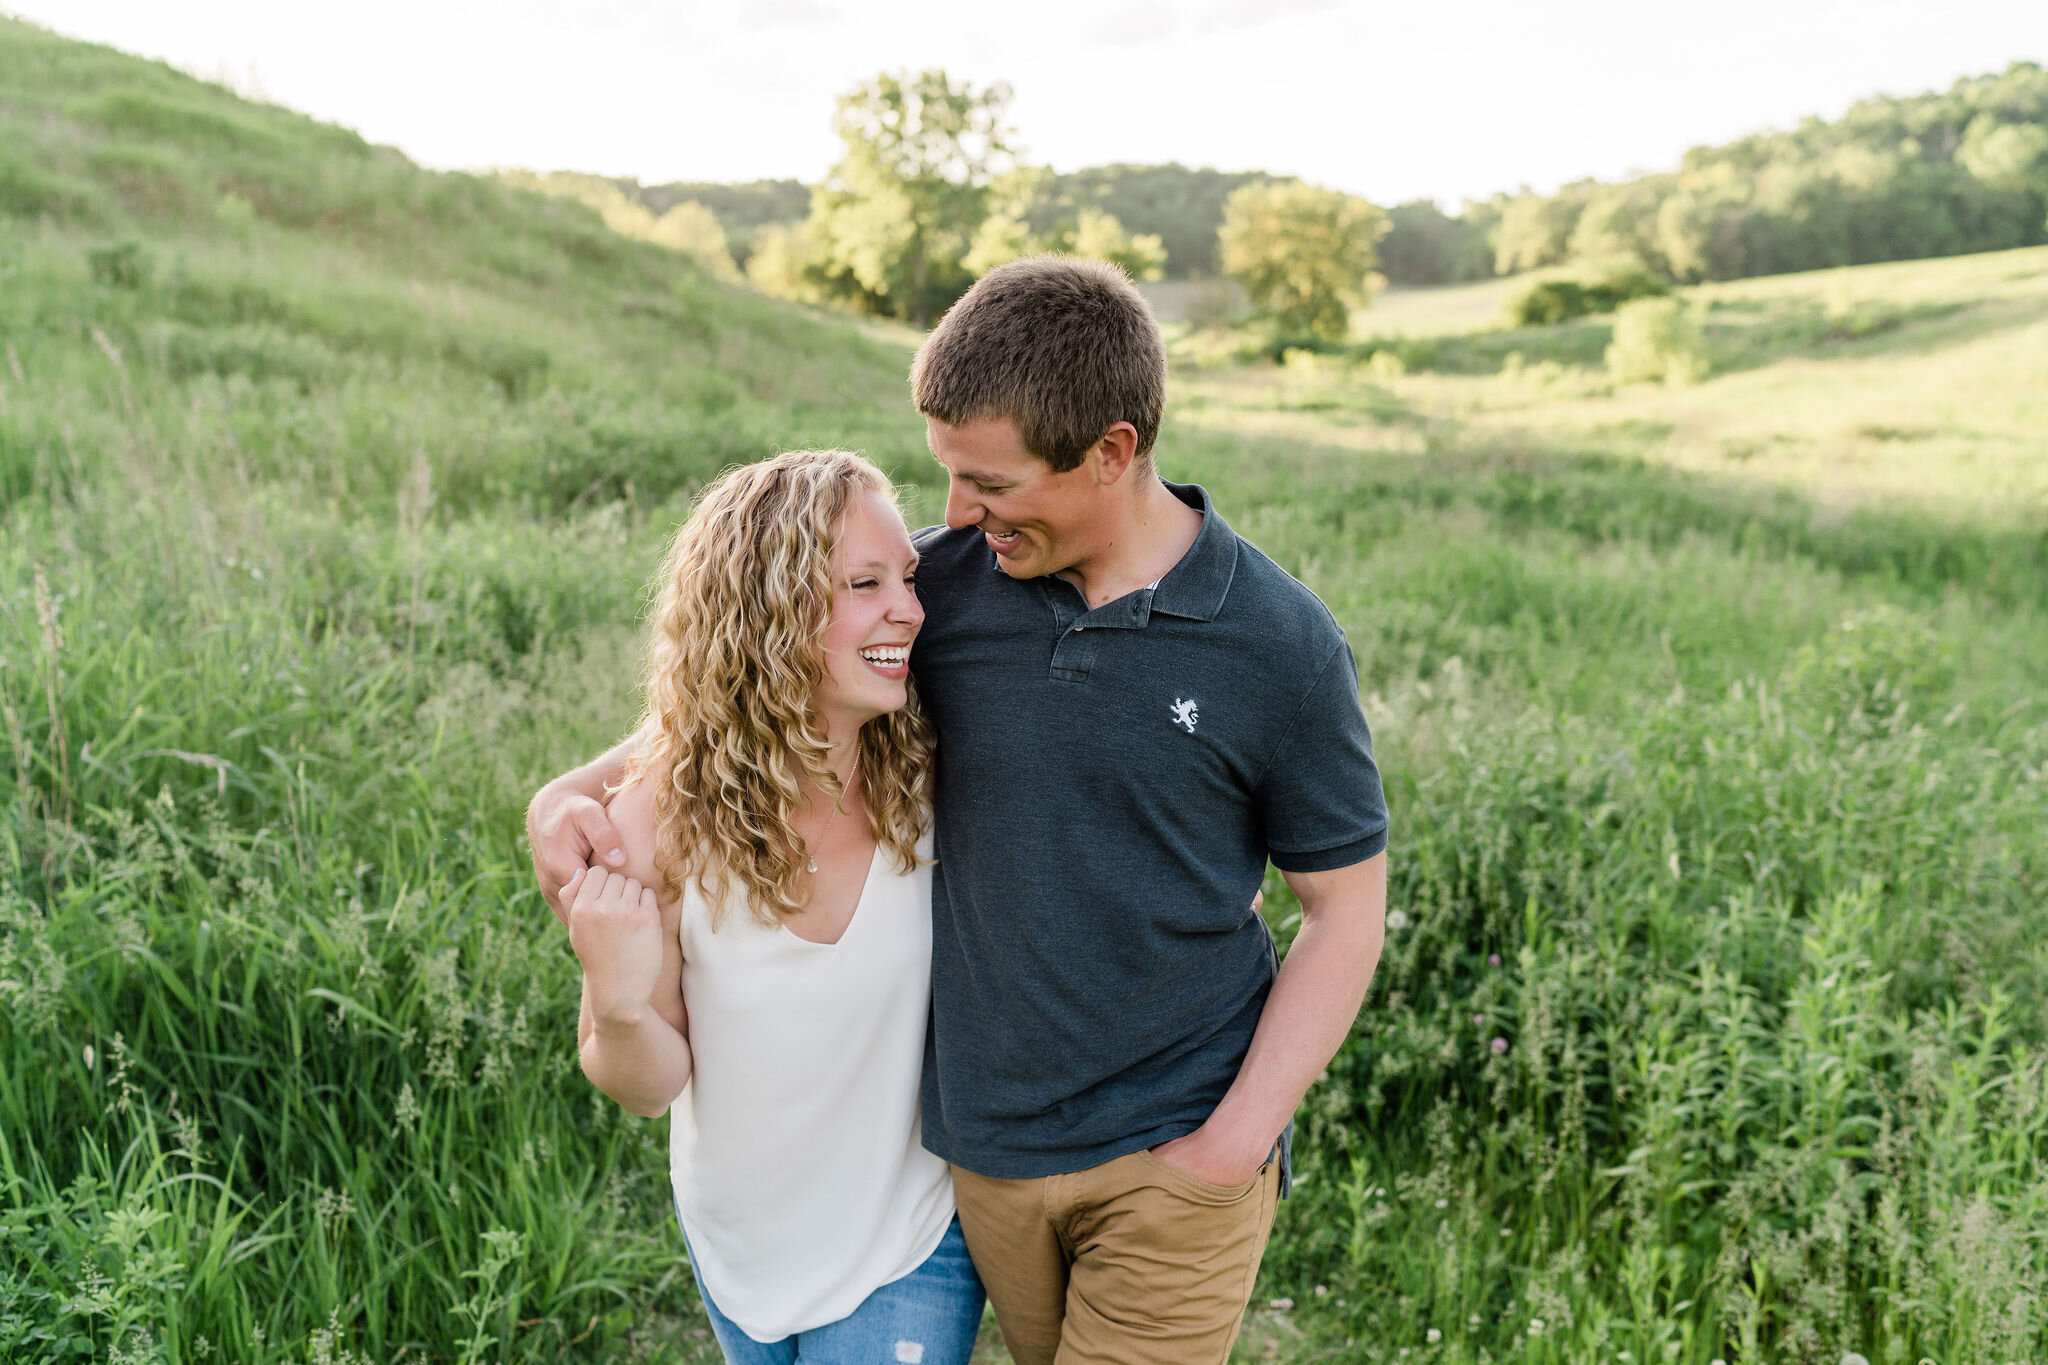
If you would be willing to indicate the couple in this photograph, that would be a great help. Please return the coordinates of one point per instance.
(1122, 711)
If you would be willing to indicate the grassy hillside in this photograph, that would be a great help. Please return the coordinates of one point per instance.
(1711, 1024)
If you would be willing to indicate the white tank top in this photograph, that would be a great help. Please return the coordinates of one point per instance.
(796, 1149)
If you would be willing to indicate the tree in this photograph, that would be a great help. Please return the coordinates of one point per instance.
(894, 218)
(1304, 255)
(1007, 234)
(687, 227)
(784, 263)
(1101, 234)
(1536, 230)
(1424, 245)
(691, 227)
(2005, 154)
(1619, 224)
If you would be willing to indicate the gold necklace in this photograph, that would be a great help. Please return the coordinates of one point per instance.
(846, 788)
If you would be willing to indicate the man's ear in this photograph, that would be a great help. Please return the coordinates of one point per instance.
(1114, 453)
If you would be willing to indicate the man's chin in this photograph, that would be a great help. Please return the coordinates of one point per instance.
(1017, 562)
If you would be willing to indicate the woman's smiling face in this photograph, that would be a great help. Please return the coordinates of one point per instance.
(875, 616)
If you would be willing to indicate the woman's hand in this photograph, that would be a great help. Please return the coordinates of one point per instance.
(615, 928)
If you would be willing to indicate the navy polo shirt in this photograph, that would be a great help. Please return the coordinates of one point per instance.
(1110, 786)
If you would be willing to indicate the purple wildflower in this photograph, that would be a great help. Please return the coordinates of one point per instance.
(1500, 1046)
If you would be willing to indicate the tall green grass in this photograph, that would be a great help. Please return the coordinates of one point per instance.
(1710, 1026)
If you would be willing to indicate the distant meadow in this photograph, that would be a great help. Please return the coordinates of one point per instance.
(1701, 628)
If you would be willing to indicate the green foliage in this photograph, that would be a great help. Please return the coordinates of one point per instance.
(1618, 225)
(742, 210)
(1304, 255)
(1182, 207)
(124, 265)
(686, 226)
(28, 190)
(893, 220)
(1425, 246)
(1536, 231)
(691, 228)
(1964, 170)
(1102, 234)
(787, 263)
(1657, 339)
(1007, 233)
(1546, 303)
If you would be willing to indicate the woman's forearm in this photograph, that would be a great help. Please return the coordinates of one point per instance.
(642, 1062)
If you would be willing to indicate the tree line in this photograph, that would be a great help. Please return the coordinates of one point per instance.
(1895, 178)
(931, 191)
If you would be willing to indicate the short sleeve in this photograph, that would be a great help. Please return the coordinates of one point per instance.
(1320, 797)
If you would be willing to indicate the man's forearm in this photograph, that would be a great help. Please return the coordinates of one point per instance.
(591, 780)
(1307, 1017)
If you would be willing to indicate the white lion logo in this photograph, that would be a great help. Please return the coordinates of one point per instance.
(1184, 714)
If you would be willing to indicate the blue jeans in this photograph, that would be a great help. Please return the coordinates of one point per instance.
(928, 1317)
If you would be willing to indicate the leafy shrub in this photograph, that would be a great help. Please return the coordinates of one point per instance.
(1657, 339)
(1610, 291)
(1549, 302)
(256, 352)
(26, 190)
(124, 265)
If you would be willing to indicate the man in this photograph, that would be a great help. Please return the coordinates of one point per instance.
(1136, 712)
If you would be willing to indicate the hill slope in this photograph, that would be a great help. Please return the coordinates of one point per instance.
(268, 246)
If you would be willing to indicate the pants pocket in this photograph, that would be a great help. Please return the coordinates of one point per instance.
(1193, 1185)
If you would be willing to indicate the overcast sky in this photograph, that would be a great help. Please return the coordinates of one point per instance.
(1389, 101)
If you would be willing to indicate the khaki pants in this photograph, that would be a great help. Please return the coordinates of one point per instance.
(1133, 1262)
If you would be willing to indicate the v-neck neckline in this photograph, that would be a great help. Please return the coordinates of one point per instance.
(860, 901)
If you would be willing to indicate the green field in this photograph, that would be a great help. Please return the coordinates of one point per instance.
(1712, 720)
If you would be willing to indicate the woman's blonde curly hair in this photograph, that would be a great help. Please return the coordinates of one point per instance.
(733, 663)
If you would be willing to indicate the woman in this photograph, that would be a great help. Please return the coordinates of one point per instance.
(760, 966)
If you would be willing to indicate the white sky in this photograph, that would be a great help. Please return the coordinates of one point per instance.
(1393, 101)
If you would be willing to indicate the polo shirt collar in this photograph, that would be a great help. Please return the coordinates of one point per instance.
(1195, 587)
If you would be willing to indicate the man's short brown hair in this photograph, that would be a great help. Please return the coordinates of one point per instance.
(1063, 346)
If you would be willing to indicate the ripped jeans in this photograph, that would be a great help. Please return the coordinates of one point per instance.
(928, 1317)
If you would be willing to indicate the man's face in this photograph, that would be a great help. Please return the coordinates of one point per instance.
(1037, 522)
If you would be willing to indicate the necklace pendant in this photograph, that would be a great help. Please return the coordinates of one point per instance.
(814, 864)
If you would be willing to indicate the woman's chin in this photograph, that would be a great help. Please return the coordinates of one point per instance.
(873, 702)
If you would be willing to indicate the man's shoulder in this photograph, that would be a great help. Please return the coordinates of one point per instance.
(943, 538)
(945, 553)
(1272, 600)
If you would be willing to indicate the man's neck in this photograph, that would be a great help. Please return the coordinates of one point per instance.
(1147, 538)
